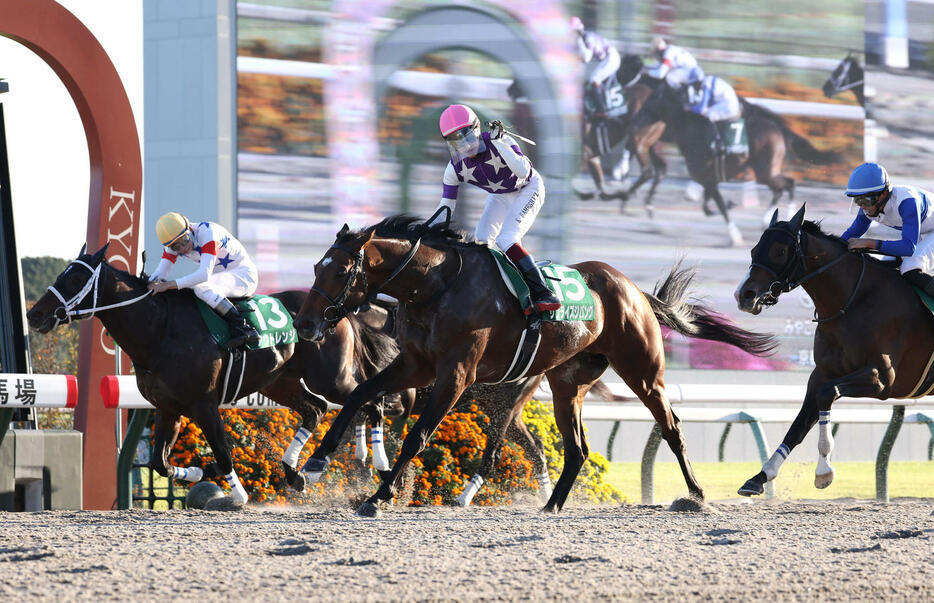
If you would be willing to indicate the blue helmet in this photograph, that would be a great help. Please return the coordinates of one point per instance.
(867, 179)
(696, 74)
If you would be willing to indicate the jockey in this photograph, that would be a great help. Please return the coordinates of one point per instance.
(594, 48)
(674, 62)
(492, 161)
(909, 210)
(712, 97)
(216, 278)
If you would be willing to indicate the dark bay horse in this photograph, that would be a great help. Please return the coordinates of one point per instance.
(848, 75)
(769, 139)
(458, 324)
(874, 336)
(180, 369)
(164, 333)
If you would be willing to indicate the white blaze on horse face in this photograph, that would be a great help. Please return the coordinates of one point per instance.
(739, 288)
(325, 262)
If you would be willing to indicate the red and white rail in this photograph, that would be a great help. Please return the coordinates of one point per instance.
(42, 391)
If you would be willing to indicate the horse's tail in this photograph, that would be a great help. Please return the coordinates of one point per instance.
(798, 144)
(373, 348)
(697, 320)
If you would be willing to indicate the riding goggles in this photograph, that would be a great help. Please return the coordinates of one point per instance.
(179, 243)
(869, 200)
(465, 143)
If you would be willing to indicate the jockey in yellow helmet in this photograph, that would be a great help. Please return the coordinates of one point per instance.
(224, 269)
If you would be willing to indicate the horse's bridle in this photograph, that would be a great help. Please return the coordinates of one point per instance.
(336, 311)
(847, 64)
(784, 282)
(68, 309)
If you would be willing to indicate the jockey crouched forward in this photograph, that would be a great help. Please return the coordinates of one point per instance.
(492, 161)
(595, 50)
(905, 208)
(712, 97)
(217, 277)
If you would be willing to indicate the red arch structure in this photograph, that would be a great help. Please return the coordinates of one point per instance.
(114, 201)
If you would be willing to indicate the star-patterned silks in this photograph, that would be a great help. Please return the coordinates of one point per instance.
(224, 241)
(495, 187)
(495, 162)
(224, 261)
(467, 173)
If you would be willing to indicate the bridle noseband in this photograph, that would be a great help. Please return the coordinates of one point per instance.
(337, 310)
(784, 282)
(837, 81)
(68, 309)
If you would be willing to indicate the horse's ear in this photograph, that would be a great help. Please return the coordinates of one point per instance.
(83, 249)
(367, 239)
(774, 218)
(99, 255)
(344, 230)
(797, 219)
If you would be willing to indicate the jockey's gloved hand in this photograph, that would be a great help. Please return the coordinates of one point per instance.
(496, 128)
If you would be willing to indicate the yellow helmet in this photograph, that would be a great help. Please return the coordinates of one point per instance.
(171, 227)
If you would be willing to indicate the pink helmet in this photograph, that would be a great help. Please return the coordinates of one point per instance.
(576, 24)
(456, 117)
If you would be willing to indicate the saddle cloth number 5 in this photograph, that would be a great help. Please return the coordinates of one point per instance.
(569, 288)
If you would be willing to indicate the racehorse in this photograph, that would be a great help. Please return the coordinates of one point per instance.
(848, 75)
(181, 370)
(768, 135)
(600, 134)
(458, 324)
(162, 333)
(874, 336)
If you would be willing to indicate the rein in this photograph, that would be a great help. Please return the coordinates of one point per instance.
(336, 311)
(783, 282)
(68, 309)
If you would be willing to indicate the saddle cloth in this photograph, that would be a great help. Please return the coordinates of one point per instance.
(926, 382)
(266, 314)
(566, 283)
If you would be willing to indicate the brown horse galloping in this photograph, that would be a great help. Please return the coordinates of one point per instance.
(458, 324)
(873, 339)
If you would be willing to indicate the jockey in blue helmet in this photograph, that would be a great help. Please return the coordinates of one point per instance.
(904, 208)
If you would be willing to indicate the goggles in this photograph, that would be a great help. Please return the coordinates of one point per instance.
(465, 142)
(182, 240)
(869, 200)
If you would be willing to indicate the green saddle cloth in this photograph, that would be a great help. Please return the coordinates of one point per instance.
(566, 283)
(266, 314)
(927, 299)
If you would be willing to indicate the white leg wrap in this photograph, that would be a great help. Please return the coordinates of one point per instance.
(189, 474)
(236, 488)
(544, 485)
(380, 460)
(294, 450)
(360, 447)
(470, 491)
(771, 466)
(824, 474)
(312, 477)
(824, 435)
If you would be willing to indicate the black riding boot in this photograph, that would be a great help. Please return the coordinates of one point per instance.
(922, 281)
(240, 330)
(543, 300)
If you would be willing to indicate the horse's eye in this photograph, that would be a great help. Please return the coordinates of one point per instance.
(342, 272)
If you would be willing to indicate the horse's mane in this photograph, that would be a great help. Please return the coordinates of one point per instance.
(403, 226)
(814, 229)
(373, 349)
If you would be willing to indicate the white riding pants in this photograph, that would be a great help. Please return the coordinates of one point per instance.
(605, 68)
(237, 282)
(923, 257)
(508, 216)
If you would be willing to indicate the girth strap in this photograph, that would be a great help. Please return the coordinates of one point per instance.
(525, 351)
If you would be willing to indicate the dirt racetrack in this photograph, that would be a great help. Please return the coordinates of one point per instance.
(842, 550)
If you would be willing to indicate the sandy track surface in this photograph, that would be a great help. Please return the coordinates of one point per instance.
(841, 550)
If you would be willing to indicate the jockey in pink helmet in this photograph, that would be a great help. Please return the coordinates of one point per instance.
(493, 161)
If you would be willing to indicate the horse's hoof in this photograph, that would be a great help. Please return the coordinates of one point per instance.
(368, 509)
(550, 509)
(299, 482)
(822, 480)
(316, 465)
(751, 488)
(707, 211)
(585, 196)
